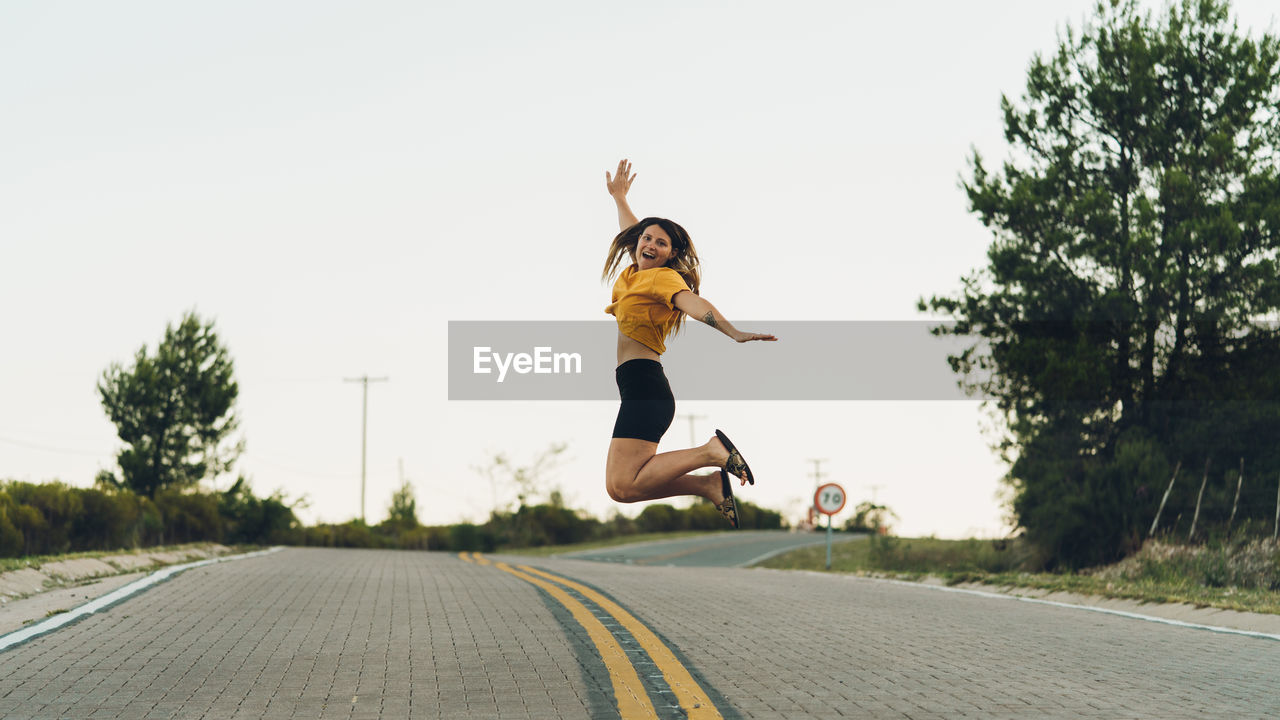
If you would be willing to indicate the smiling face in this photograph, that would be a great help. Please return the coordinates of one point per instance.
(654, 248)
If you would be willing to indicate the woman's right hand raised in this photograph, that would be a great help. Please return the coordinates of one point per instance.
(619, 185)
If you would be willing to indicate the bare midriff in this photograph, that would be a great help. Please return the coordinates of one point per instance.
(629, 349)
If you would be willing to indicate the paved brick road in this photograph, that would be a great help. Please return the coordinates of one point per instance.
(332, 633)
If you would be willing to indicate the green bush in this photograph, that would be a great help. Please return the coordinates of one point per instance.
(538, 525)
(660, 518)
(110, 520)
(705, 516)
(424, 538)
(150, 528)
(469, 537)
(251, 520)
(189, 517)
(54, 518)
(354, 534)
(317, 536)
(10, 535)
(619, 525)
(754, 517)
(45, 515)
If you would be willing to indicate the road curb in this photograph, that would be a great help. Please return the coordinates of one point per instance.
(119, 595)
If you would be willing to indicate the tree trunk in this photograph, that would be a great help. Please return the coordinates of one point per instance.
(1236, 503)
(1164, 499)
(1196, 517)
(1124, 367)
(1276, 531)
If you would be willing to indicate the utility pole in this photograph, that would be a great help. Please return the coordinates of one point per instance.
(693, 439)
(817, 481)
(817, 471)
(364, 430)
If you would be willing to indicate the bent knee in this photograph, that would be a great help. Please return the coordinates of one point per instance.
(619, 491)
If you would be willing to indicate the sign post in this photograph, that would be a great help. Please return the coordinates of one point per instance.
(829, 500)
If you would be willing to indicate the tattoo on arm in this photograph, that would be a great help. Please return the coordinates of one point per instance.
(710, 319)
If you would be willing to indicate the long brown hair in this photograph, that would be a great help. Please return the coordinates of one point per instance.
(684, 258)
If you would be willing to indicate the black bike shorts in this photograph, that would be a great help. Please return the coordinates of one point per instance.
(648, 407)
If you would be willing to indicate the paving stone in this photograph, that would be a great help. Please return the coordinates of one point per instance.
(314, 633)
(791, 645)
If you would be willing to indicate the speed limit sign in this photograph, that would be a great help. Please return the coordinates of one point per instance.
(829, 499)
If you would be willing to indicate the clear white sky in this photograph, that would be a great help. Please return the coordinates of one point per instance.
(332, 182)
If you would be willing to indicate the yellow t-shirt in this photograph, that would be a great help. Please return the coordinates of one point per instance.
(642, 304)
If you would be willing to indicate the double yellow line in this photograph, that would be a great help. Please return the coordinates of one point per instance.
(632, 698)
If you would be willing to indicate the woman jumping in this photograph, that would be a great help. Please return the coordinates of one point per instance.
(650, 300)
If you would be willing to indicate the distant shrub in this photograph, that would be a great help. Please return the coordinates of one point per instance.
(45, 515)
(253, 520)
(10, 536)
(354, 534)
(754, 517)
(660, 517)
(470, 537)
(619, 524)
(108, 520)
(538, 525)
(704, 516)
(53, 518)
(424, 538)
(189, 517)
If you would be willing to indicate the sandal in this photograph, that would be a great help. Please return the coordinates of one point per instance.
(735, 464)
(728, 509)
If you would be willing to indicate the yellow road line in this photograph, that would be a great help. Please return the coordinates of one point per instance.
(463, 556)
(692, 697)
(633, 701)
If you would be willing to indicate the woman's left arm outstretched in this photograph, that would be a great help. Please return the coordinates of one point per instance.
(701, 309)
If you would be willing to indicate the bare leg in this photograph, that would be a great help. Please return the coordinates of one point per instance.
(635, 471)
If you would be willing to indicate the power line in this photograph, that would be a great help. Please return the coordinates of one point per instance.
(51, 448)
(255, 458)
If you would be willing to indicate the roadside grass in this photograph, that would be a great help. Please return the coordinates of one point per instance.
(905, 558)
(549, 550)
(1242, 576)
